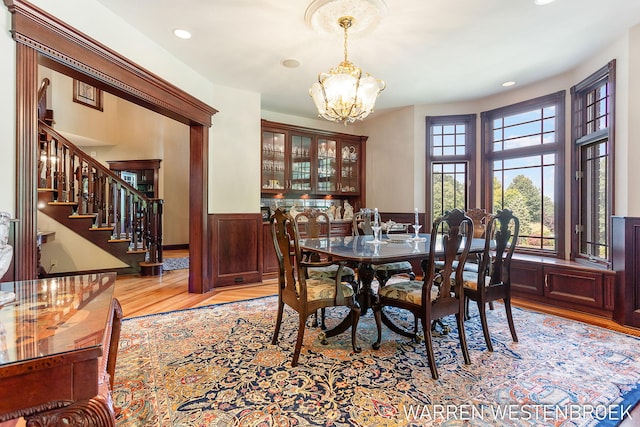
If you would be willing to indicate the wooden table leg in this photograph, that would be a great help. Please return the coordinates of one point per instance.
(365, 298)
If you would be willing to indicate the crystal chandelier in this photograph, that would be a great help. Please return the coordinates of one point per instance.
(345, 93)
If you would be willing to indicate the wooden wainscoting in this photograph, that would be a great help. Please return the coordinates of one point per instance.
(235, 242)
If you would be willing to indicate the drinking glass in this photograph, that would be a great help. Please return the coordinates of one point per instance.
(376, 233)
(416, 227)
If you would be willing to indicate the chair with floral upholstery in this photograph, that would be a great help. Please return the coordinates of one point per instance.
(313, 223)
(302, 294)
(492, 281)
(440, 293)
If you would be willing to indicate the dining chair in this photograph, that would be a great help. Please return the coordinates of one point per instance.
(362, 222)
(302, 294)
(479, 217)
(440, 293)
(492, 281)
(314, 223)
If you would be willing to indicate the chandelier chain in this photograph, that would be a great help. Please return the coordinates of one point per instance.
(345, 22)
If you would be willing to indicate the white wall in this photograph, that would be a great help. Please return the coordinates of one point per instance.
(8, 114)
(393, 169)
(628, 175)
(234, 154)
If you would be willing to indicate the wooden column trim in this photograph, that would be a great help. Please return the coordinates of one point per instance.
(25, 252)
(199, 280)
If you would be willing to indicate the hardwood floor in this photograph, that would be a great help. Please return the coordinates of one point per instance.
(141, 296)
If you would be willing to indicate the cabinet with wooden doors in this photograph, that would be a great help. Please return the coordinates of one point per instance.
(299, 161)
(564, 284)
(301, 158)
(625, 254)
(350, 167)
(143, 175)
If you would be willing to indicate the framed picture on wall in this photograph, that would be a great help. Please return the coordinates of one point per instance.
(86, 94)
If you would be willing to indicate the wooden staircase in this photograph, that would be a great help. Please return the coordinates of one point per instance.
(79, 192)
(101, 236)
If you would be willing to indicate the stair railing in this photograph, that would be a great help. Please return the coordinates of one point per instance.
(93, 189)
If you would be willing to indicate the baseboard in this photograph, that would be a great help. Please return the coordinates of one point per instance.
(175, 247)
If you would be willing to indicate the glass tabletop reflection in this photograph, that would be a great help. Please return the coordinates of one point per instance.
(40, 318)
(394, 247)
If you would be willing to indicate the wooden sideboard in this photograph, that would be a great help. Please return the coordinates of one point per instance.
(58, 345)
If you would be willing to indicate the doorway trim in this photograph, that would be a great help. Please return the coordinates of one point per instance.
(40, 35)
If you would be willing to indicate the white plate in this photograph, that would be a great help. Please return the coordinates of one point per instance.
(399, 238)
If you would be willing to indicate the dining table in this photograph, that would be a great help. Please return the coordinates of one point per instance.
(364, 252)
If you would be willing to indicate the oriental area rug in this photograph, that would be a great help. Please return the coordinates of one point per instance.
(175, 264)
(216, 366)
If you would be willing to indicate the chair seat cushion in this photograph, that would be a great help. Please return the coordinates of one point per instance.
(470, 280)
(329, 272)
(401, 266)
(324, 288)
(408, 291)
(468, 266)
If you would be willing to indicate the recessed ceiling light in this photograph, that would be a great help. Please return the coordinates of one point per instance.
(182, 34)
(509, 83)
(542, 2)
(290, 63)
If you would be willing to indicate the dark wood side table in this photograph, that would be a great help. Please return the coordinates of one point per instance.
(58, 345)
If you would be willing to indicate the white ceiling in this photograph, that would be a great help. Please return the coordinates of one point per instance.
(427, 51)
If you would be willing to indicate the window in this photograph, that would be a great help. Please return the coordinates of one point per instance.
(523, 169)
(450, 163)
(592, 103)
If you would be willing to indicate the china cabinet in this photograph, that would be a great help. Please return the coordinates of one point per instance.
(311, 162)
(143, 175)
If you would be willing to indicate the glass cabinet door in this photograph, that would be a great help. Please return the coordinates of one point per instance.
(301, 163)
(350, 167)
(327, 166)
(273, 161)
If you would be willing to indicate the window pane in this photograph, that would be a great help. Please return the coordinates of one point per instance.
(526, 186)
(595, 203)
(522, 117)
(448, 140)
(527, 129)
(597, 110)
(448, 188)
